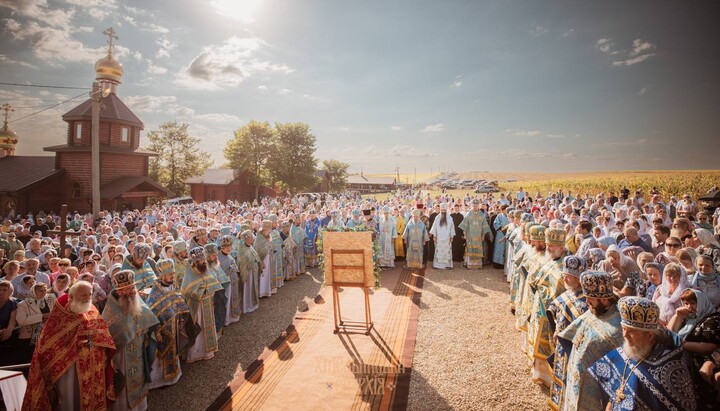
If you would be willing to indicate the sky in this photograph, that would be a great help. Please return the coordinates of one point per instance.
(503, 86)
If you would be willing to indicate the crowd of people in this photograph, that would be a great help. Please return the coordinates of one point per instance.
(616, 297)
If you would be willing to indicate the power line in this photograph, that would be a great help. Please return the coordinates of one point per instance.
(43, 86)
(48, 108)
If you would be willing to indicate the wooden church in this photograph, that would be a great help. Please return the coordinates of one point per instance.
(34, 183)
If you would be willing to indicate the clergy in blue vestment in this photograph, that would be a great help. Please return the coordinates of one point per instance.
(562, 312)
(588, 338)
(500, 224)
(648, 372)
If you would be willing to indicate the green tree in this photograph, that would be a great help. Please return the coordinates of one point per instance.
(338, 172)
(179, 157)
(250, 150)
(293, 161)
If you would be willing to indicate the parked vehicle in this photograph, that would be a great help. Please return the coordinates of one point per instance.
(486, 189)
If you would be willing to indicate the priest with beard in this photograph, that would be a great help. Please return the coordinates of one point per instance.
(198, 288)
(137, 262)
(131, 324)
(458, 244)
(71, 368)
(176, 332)
(250, 266)
(649, 371)
(592, 335)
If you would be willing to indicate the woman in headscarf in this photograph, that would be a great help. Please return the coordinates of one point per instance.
(697, 323)
(637, 282)
(707, 279)
(618, 265)
(705, 243)
(667, 295)
(606, 241)
(596, 257)
(31, 315)
(686, 257)
(672, 246)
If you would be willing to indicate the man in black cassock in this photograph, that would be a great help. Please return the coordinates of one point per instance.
(458, 244)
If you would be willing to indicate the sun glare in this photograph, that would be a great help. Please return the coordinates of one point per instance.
(241, 10)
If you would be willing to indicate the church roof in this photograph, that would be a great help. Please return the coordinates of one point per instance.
(216, 176)
(103, 149)
(112, 109)
(119, 186)
(19, 172)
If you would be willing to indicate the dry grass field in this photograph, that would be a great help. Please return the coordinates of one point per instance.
(668, 182)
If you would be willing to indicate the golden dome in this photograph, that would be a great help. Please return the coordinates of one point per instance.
(8, 138)
(107, 68)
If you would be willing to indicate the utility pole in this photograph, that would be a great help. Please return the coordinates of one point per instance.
(95, 149)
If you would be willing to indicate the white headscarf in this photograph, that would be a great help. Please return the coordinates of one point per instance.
(667, 302)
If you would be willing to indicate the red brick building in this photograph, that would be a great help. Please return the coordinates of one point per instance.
(44, 183)
(223, 184)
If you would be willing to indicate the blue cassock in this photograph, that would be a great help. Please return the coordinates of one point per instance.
(661, 382)
(499, 251)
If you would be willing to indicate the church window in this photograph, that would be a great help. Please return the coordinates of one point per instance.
(124, 134)
(78, 131)
(76, 190)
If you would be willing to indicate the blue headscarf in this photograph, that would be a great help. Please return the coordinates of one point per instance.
(704, 309)
(714, 276)
(607, 241)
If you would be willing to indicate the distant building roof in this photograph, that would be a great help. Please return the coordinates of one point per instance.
(111, 109)
(216, 176)
(119, 186)
(363, 179)
(19, 172)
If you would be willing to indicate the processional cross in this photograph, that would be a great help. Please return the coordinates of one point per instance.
(63, 228)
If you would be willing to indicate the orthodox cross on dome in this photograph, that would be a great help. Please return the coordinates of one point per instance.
(7, 108)
(111, 35)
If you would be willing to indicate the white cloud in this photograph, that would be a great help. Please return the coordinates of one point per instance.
(523, 133)
(569, 32)
(154, 70)
(395, 128)
(284, 91)
(39, 10)
(633, 60)
(166, 46)
(433, 128)
(516, 153)
(262, 88)
(641, 51)
(555, 135)
(138, 55)
(358, 155)
(154, 28)
(97, 9)
(538, 30)
(605, 45)
(5, 60)
(457, 82)
(98, 14)
(149, 104)
(643, 91)
(219, 118)
(631, 143)
(229, 64)
(130, 20)
(640, 47)
(51, 44)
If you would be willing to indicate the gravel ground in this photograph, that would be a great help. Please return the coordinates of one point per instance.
(240, 345)
(467, 354)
